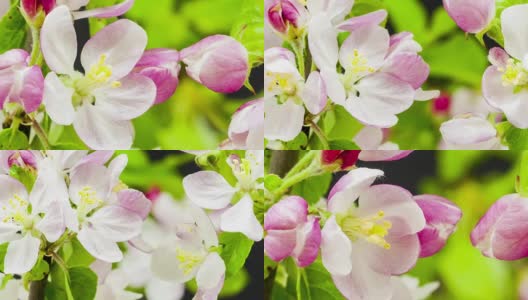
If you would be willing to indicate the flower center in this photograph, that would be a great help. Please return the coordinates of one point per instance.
(88, 201)
(373, 228)
(358, 68)
(188, 260)
(242, 170)
(514, 74)
(97, 76)
(282, 83)
(16, 212)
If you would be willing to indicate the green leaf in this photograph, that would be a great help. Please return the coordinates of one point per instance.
(39, 270)
(362, 7)
(249, 30)
(83, 283)
(235, 250)
(342, 145)
(3, 252)
(514, 138)
(272, 182)
(408, 15)
(321, 285)
(26, 176)
(298, 142)
(11, 139)
(441, 24)
(76, 255)
(58, 287)
(313, 188)
(12, 29)
(344, 126)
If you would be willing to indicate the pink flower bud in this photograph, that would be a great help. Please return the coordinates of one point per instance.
(282, 14)
(441, 216)
(246, 130)
(441, 105)
(219, 62)
(291, 232)
(472, 16)
(22, 158)
(33, 7)
(162, 67)
(346, 158)
(502, 232)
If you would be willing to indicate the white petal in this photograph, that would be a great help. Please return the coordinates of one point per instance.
(116, 223)
(8, 232)
(10, 188)
(211, 271)
(515, 29)
(122, 42)
(283, 121)
(98, 246)
(241, 218)
(21, 255)
(100, 131)
(59, 41)
(314, 93)
(336, 249)
(342, 196)
(208, 189)
(58, 100)
(158, 289)
(322, 40)
(132, 99)
(94, 177)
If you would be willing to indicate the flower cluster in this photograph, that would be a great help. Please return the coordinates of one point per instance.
(121, 79)
(372, 75)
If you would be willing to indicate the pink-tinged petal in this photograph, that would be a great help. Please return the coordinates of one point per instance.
(403, 42)
(314, 93)
(371, 19)
(345, 192)
(134, 201)
(504, 98)
(278, 54)
(441, 217)
(515, 28)
(100, 157)
(472, 16)
(123, 36)
(159, 57)
(241, 218)
(59, 41)
(422, 95)
(116, 167)
(363, 282)
(334, 87)
(369, 138)
(330, 156)
(49, 5)
(279, 244)
(469, 133)
(308, 243)
(31, 89)
(345, 158)
(219, 62)
(211, 272)
(382, 96)
(7, 80)
(408, 67)
(283, 121)
(288, 213)
(333, 10)
(282, 14)
(57, 99)
(209, 294)
(116, 223)
(336, 249)
(21, 255)
(53, 223)
(13, 57)
(100, 131)
(397, 205)
(502, 232)
(208, 189)
(384, 155)
(99, 246)
(129, 101)
(29, 7)
(11, 187)
(95, 177)
(105, 12)
(498, 57)
(322, 40)
(49, 187)
(246, 130)
(166, 81)
(370, 43)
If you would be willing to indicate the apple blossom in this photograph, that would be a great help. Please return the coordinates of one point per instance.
(441, 216)
(375, 239)
(193, 255)
(373, 138)
(23, 222)
(292, 232)
(504, 83)
(470, 132)
(210, 190)
(408, 288)
(21, 85)
(286, 17)
(113, 287)
(100, 103)
(287, 94)
(472, 16)
(246, 130)
(33, 7)
(162, 67)
(501, 232)
(219, 62)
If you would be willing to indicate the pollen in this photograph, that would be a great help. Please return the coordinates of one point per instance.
(282, 82)
(15, 210)
(514, 74)
(373, 228)
(188, 261)
(359, 63)
(100, 72)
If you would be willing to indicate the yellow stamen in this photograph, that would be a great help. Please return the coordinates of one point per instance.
(373, 229)
(188, 260)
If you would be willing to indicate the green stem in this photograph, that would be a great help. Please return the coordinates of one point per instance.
(36, 54)
(311, 170)
(40, 133)
(303, 163)
(298, 49)
(320, 134)
(522, 179)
